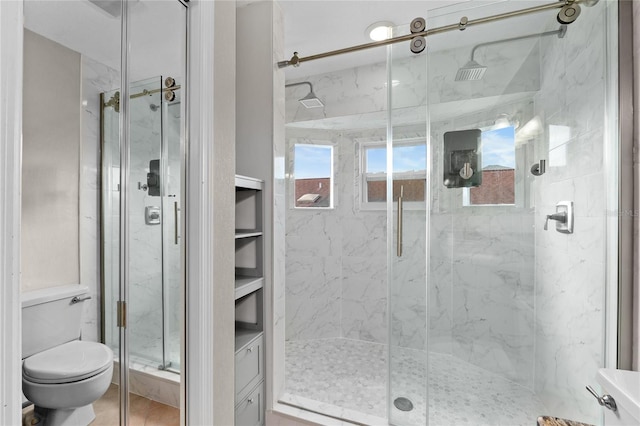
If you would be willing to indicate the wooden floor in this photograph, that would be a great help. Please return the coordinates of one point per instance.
(142, 411)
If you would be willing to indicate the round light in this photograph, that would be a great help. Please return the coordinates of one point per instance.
(379, 31)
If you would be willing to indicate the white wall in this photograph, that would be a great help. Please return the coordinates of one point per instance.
(50, 170)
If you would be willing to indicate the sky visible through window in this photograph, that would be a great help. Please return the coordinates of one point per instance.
(498, 148)
(406, 158)
(312, 161)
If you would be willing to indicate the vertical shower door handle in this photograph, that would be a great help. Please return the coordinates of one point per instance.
(176, 222)
(400, 214)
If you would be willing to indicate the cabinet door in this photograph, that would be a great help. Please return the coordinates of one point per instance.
(249, 362)
(250, 411)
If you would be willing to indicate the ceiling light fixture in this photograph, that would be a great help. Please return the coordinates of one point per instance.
(379, 31)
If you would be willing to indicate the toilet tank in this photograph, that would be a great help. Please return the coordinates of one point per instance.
(49, 318)
(624, 387)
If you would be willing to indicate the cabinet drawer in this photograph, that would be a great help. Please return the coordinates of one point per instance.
(250, 410)
(249, 367)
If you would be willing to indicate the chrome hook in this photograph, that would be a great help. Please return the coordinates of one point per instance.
(604, 400)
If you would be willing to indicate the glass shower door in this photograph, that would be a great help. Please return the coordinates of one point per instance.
(154, 271)
(171, 165)
(407, 158)
(146, 223)
(516, 299)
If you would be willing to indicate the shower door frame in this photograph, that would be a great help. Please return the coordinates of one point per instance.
(627, 354)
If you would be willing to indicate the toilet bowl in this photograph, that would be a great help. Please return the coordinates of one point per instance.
(624, 387)
(61, 374)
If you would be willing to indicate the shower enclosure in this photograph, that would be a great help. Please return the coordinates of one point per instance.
(154, 293)
(437, 287)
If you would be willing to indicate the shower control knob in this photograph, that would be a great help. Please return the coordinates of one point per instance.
(466, 171)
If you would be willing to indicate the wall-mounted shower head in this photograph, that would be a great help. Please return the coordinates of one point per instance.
(471, 71)
(310, 100)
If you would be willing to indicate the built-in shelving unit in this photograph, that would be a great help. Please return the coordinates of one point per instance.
(249, 297)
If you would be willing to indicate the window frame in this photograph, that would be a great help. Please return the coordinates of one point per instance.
(292, 176)
(362, 176)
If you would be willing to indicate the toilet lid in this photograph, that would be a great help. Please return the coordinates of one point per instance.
(70, 362)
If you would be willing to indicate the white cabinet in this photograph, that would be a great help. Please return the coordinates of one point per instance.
(249, 299)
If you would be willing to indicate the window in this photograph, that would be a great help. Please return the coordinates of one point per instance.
(498, 170)
(313, 176)
(409, 173)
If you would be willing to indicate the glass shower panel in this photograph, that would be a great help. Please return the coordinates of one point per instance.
(516, 308)
(110, 216)
(172, 238)
(336, 259)
(407, 158)
(146, 221)
(157, 48)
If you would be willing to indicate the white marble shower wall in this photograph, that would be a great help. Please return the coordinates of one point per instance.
(336, 259)
(336, 264)
(570, 269)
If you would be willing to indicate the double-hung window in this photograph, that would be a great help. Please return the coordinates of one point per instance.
(409, 173)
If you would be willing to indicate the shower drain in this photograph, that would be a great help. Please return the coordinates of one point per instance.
(403, 404)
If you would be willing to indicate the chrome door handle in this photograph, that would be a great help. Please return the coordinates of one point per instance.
(400, 214)
(176, 222)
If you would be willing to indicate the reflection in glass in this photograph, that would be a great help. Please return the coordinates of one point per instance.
(155, 177)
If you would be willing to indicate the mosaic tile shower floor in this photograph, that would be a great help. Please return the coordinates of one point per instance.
(346, 378)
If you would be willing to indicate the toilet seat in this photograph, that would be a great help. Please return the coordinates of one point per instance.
(71, 362)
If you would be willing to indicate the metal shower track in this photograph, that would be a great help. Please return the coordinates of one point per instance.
(462, 25)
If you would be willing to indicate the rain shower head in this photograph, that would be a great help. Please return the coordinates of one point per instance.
(310, 100)
(471, 71)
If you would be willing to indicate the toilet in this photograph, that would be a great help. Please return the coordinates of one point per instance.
(624, 387)
(61, 374)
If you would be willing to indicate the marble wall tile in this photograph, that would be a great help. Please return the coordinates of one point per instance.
(493, 319)
(364, 298)
(357, 239)
(313, 293)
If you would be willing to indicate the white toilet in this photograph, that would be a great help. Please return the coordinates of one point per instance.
(61, 374)
(624, 387)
